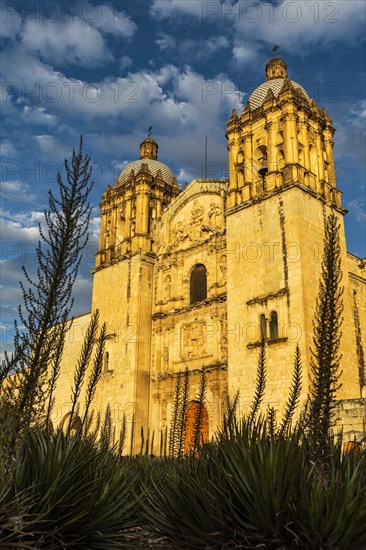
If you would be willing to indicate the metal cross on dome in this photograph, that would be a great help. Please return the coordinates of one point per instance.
(275, 48)
(149, 131)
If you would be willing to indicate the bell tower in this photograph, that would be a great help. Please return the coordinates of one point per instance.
(282, 137)
(129, 209)
(123, 281)
(282, 187)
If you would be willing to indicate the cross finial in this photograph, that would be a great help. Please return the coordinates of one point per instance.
(274, 49)
(149, 131)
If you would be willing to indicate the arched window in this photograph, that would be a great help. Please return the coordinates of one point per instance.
(263, 327)
(273, 326)
(198, 284)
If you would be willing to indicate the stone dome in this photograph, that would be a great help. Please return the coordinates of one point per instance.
(276, 75)
(153, 165)
(148, 155)
(257, 97)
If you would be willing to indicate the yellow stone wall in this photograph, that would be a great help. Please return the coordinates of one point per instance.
(74, 338)
(274, 264)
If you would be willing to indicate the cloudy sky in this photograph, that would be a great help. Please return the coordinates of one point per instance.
(110, 70)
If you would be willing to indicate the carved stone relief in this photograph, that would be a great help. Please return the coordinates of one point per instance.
(165, 349)
(107, 234)
(193, 340)
(223, 269)
(167, 288)
(201, 223)
(223, 337)
(215, 216)
(180, 233)
(165, 356)
(196, 221)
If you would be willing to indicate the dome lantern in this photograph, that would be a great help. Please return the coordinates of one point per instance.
(149, 149)
(276, 68)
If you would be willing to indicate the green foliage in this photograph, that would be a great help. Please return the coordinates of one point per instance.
(122, 435)
(55, 371)
(175, 416)
(327, 334)
(251, 490)
(294, 396)
(230, 412)
(198, 419)
(132, 435)
(178, 420)
(75, 495)
(97, 368)
(260, 384)
(82, 365)
(27, 395)
(106, 432)
(182, 414)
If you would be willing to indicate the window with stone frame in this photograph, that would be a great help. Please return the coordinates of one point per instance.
(107, 366)
(198, 284)
(273, 326)
(263, 327)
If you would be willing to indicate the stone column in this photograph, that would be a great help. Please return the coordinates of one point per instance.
(113, 226)
(128, 216)
(330, 158)
(232, 162)
(271, 146)
(271, 155)
(248, 159)
(290, 138)
(320, 154)
(102, 231)
(144, 213)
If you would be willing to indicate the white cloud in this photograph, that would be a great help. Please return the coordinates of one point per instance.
(294, 25)
(7, 149)
(184, 176)
(357, 207)
(168, 95)
(246, 53)
(38, 115)
(198, 49)
(16, 190)
(165, 9)
(21, 226)
(165, 42)
(66, 42)
(113, 21)
(216, 43)
(51, 147)
(300, 25)
(94, 228)
(349, 120)
(125, 62)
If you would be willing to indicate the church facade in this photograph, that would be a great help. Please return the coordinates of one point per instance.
(195, 278)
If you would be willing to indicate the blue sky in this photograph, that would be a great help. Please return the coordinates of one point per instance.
(110, 70)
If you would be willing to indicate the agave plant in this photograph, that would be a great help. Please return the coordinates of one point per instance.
(252, 490)
(83, 495)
